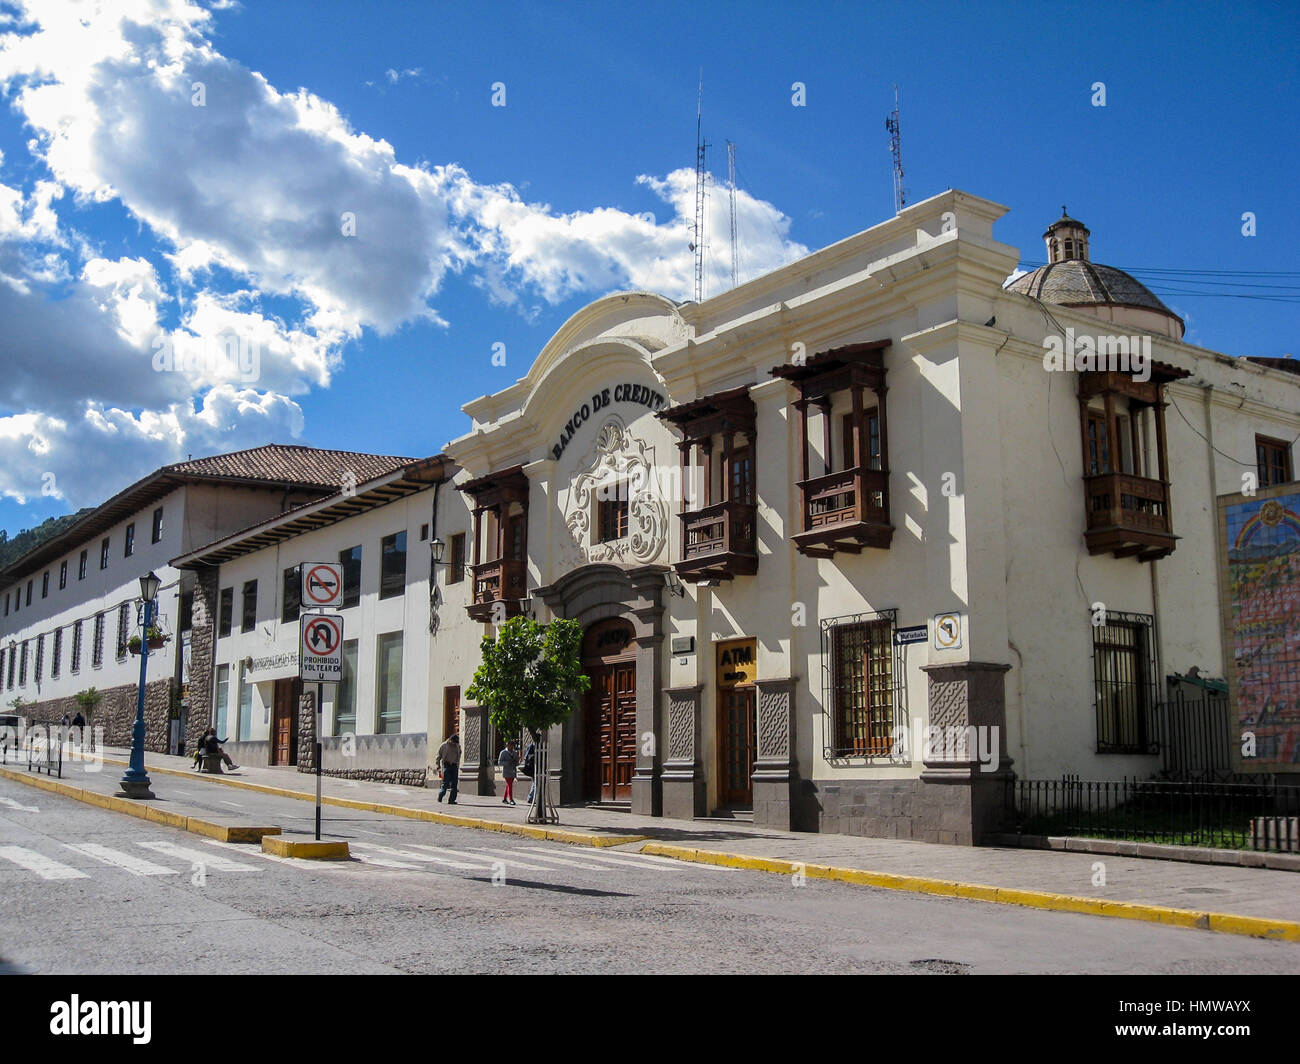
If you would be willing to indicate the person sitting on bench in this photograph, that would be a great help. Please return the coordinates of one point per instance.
(210, 745)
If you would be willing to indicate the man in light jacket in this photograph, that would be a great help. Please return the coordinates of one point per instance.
(448, 764)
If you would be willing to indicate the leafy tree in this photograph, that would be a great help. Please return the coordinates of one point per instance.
(528, 679)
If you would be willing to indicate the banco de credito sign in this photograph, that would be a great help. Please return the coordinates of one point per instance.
(620, 393)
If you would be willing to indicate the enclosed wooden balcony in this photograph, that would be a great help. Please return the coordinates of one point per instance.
(499, 581)
(1128, 515)
(719, 542)
(846, 510)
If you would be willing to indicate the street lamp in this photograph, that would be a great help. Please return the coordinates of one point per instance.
(436, 549)
(135, 780)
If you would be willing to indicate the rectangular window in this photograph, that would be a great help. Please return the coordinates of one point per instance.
(29, 592)
(56, 652)
(350, 559)
(388, 697)
(40, 656)
(862, 685)
(226, 611)
(97, 647)
(248, 616)
(456, 567)
(871, 418)
(76, 647)
(1274, 461)
(392, 577)
(129, 547)
(345, 701)
(22, 666)
(63, 574)
(155, 536)
(103, 553)
(81, 564)
(245, 724)
(123, 628)
(292, 594)
(45, 584)
(13, 653)
(612, 504)
(424, 532)
(1098, 444)
(221, 701)
(6, 603)
(1124, 675)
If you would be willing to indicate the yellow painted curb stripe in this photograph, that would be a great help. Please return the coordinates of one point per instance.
(310, 849)
(1226, 923)
(132, 807)
(532, 831)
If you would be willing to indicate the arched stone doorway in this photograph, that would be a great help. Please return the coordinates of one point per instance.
(629, 653)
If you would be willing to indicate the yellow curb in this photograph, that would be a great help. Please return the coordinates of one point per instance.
(135, 808)
(306, 848)
(533, 831)
(1225, 923)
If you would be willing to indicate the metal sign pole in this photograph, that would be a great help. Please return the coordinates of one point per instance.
(320, 716)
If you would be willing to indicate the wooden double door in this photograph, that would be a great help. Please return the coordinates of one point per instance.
(737, 746)
(284, 722)
(610, 711)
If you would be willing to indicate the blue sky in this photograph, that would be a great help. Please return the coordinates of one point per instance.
(130, 216)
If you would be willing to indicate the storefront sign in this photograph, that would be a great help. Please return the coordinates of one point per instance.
(619, 393)
(737, 663)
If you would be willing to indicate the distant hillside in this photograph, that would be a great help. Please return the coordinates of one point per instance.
(30, 538)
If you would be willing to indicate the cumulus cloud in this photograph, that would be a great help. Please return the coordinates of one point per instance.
(243, 191)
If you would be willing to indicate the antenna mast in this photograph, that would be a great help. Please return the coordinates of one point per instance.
(700, 148)
(896, 150)
(731, 187)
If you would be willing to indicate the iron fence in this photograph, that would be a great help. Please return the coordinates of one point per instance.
(1196, 739)
(1180, 813)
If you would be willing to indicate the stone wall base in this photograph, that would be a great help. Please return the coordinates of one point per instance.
(961, 814)
(406, 777)
(115, 713)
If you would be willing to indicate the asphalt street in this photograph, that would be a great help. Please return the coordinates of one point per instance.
(85, 890)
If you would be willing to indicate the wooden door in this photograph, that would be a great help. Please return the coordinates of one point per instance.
(611, 750)
(737, 745)
(284, 722)
(450, 712)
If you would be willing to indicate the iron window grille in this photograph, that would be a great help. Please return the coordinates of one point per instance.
(123, 628)
(97, 649)
(40, 657)
(1124, 674)
(862, 689)
(56, 652)
(76, 647)
(22, 666)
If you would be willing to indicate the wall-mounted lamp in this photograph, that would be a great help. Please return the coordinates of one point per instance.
(526, 606)
(674, 583)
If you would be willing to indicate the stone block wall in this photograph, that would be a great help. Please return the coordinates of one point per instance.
(115, 713)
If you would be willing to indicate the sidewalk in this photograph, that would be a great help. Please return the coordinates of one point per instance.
(1018, 873)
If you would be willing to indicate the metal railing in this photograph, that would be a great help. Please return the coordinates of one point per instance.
(1187, 813)
(44, 743)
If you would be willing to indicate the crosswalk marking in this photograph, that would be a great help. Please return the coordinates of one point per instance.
(45, 867)
(211, 861)
(633, 860)
(292, 862)
(425, 858)
(384, 862)
(137, 866)
(567, 862)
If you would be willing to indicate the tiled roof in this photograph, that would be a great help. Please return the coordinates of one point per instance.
(274, 465)
(1077, 282)
(279, 463)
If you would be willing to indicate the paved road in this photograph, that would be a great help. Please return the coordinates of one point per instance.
(89, 891)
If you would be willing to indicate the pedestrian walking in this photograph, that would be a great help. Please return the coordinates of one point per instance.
(529, 768)
(509, 762)
(79, 723)
(448, 765)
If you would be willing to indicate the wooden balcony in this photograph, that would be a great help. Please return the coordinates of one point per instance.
(719, 542)
(1128, 515)
(499, 581)
(847, 511)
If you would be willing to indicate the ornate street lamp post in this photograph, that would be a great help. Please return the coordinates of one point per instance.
(135, 781)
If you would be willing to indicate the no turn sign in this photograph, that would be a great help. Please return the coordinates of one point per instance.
(322, 585)
(320, 647)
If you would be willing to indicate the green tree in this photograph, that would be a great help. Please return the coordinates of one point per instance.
(528, 679)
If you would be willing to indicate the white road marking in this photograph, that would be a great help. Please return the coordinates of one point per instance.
(563, 861)
(220, 864)
(669, 865)
(137, 866)
(237, 805)
(247, 849)
(384, 862)
(410, 855)
(43, 866)
(19, 806)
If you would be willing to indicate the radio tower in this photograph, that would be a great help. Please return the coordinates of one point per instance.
(701, 147)
(731, 189)
(896, 150)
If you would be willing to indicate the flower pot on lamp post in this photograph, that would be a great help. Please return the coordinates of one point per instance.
(135, 780)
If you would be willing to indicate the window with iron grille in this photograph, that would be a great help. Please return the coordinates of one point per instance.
(56, 652)
(22, 666)
(13, 659)
(97, 648)
(76, 647)
(1124, 672)
(40, 656)
(860, 686)
(123, 628)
